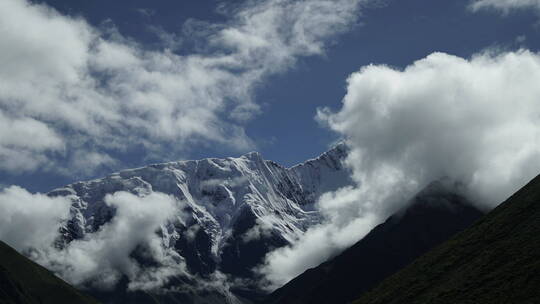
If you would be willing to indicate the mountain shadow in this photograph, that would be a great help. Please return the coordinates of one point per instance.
(432, 217)
(25, 282)
(497, 260)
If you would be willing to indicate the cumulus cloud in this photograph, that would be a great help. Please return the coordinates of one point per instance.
(476, 121)
(30, 220)
(101, 258)
(504, 5)
(82, 89)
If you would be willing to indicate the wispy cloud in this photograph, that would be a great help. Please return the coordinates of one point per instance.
(504, 6)
(68, 88)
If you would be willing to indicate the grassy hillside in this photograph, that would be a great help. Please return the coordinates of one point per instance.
(497, 260)
(23, 281)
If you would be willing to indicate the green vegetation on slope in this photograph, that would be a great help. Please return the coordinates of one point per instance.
(497, 260)
(23, 281)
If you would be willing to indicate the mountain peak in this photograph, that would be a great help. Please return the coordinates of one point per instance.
(443, 193)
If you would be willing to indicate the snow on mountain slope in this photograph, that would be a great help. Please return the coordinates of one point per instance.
(235, 209)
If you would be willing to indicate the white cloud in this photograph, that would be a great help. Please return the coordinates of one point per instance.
(141, 226)
(474, 120)
(30, 220)
(23, 142)
(263, 228)
(346, 221)
(81, 88)
(229, 182)
(101, 258)
(504, 5)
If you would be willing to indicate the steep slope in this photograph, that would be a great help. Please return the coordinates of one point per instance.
(432, 216)
(23, 281)
(497, 260)
(236, 210)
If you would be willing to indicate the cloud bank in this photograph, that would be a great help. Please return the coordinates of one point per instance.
(74, 94)
(30, 220)
(100, 259)
(134, 244)
(103, 257)
(474, 120)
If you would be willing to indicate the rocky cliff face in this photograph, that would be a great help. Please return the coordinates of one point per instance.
(234, 210)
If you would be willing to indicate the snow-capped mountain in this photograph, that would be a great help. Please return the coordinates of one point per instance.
(235, 209)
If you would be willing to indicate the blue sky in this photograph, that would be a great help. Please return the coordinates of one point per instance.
(284, 129)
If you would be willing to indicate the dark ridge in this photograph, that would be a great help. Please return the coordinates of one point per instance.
(497, 260)
(432, 216)
(25, 282)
